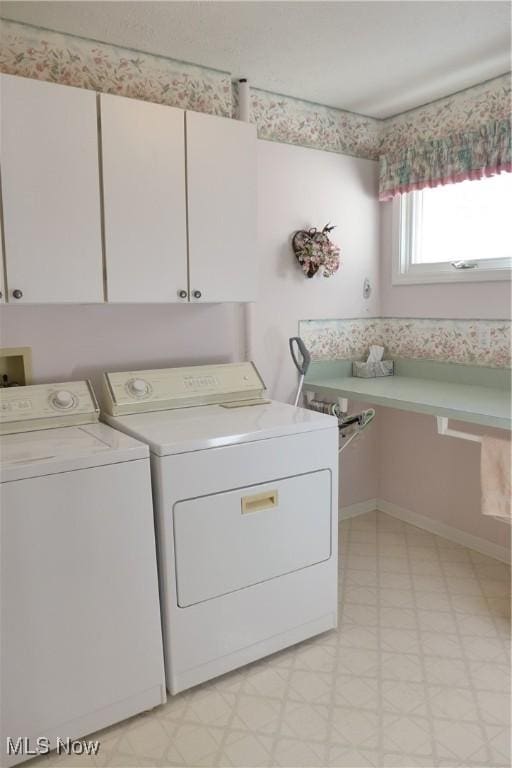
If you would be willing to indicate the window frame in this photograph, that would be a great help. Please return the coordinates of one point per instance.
(407, 209)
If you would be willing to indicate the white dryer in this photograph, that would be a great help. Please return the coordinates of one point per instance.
(246, 499)
(81, 644)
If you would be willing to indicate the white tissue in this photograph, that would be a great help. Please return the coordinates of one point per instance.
(376, 354)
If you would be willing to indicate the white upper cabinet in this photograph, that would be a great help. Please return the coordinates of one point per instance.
(144, 198)
(178, 191)
(51, 193)
(222, 224)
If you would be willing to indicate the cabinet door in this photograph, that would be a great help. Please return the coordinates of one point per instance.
(144, 200)
(51, 194)
(221, 188)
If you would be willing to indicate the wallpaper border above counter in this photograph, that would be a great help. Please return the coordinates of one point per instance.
(62, 58)
(470, 342)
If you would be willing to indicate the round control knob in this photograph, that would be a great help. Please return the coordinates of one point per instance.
(17, 293)
(138, 387)
(182, 294)
(197, 294)
(62, 399)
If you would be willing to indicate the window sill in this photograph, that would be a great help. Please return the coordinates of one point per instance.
(477, 275)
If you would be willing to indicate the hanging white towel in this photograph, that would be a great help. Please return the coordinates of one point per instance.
(495, 477)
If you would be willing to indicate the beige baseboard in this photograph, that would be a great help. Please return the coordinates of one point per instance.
(428, 524)
(361, 508)
(446, 531)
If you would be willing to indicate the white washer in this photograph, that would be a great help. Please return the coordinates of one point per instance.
(246, 497)
(81, 643)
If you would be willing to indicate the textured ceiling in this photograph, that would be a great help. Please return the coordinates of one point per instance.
(377, 58)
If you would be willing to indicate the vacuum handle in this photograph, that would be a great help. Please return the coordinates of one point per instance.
(296, 343)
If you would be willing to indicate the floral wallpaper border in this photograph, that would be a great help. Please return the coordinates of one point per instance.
(464, 111)
(69, 60)
(470, 342)
(46, 55)
(292, 121)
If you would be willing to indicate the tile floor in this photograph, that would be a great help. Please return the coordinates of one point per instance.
(416, 675)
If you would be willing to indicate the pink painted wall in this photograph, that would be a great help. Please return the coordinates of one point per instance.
(435, 476)
(300, 188)
(432, 475)
(82, 341)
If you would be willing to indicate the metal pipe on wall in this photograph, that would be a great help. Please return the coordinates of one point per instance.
(246, 313)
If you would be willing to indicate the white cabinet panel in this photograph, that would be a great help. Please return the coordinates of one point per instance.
(144, 200)
(221, 188)
(51, 195)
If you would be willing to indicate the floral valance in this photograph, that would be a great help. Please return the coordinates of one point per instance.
(470, 155)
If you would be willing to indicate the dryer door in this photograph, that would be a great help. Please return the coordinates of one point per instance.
(232, 540)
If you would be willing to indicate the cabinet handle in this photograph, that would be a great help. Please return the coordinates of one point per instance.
(182, 294)
(197, 294)
(1, 295)
(17, 293)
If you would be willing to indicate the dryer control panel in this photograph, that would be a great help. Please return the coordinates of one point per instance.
(43, 406)
(166, 388)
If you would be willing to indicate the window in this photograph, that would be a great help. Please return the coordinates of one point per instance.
(456, 233)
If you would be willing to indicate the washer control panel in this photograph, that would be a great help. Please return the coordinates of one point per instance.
(166, 388)
(43, 406)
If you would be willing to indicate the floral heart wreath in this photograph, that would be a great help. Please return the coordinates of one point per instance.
(314, 250)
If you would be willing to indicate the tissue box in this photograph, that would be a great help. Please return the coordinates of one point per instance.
(371, 370)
